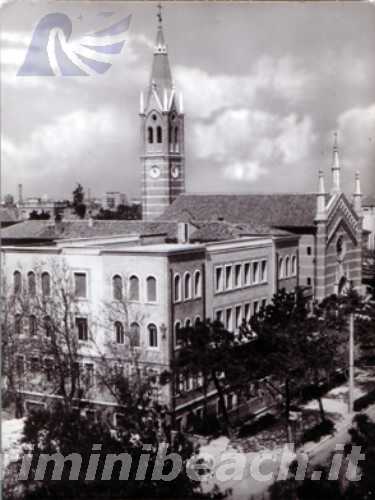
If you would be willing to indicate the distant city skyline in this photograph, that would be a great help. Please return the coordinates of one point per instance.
(264, 85)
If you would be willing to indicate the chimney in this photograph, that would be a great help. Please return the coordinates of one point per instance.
(183, 232)
(20, 194)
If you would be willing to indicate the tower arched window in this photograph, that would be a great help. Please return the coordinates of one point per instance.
(31, 283)
(159, 134)
(152, 335)
(151, 289)
(117, 287)
(187, 286)
(134, 288)
(176, 135)
(150, 135)
(135, 339)
(197, 284)
(119, 332)
(46, 284)
(177, 288)
(17, 282)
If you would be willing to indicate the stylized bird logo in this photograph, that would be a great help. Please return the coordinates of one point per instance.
(51, 52)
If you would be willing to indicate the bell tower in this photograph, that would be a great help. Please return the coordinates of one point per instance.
(162, 135)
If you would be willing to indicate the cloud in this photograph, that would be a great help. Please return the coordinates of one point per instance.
(205, 94)
(68, 141)
(248, 143)
(357, 143)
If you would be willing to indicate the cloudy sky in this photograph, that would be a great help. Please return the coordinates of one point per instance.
(264, 85)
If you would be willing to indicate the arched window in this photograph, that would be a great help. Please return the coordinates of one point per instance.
(281, 267)
(135, 340)
(187, 323)
(117, 287)
(31, 283)
(197, 284)
(151, 289)
(287, 266)
(159, 134)
(47, 326)
(150, 135)
(133, 288)
(176, 135)
(32, 325)
(294, 265)
(18, 324)
(177, 331)
(152, 335)
(187, 286)
(17, 282)
(46, 284)
(119, 332)
(177, 288)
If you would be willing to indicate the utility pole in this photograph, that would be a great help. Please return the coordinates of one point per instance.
(351, 364)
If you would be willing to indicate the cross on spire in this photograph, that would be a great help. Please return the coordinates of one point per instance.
(159, 14)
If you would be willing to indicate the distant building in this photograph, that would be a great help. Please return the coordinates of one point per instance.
(112, 199)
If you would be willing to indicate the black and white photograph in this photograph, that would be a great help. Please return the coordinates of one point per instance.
(187, 250)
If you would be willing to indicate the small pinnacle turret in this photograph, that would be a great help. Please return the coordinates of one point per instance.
(336, 188)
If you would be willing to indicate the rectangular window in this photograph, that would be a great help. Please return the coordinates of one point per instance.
(89, 374)
(308, 281)
(237, 275)
(219, 279)
(308, 249)
(263, 271)
(228, 319)
(238, 316)
(82, 329)
(48, 368)
(20, 365)
(228, 277)
(91, 415)
(255, 274)
(34, 364)
(247, 312)
(247, 277)
(264, 303)
(80, 285)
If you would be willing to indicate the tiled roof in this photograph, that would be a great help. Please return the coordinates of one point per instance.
(258, 210)
(38, 229)
(219, 231)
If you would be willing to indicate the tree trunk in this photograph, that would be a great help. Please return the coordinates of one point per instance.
(287, 412)
(222, 403)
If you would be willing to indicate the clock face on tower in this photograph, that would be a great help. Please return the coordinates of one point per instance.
(175, 172)
(154, 171)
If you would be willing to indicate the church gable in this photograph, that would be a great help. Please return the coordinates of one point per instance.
(342, 217)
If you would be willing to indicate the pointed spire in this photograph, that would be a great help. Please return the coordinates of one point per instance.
(357, 195)
(161, 76)
(321, 213)
(335, 166)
